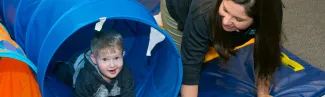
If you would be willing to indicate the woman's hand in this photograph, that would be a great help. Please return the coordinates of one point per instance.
(189, 90)
(263, 88)
(264, 95)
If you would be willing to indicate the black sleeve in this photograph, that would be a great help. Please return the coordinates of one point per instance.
(194, 45)
(127, 83)
(178, 10)
(83, 87)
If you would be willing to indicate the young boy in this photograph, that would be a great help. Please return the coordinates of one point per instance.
(103, 73)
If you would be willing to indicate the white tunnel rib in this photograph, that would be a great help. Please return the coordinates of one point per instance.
(155, 38)
(100, 23)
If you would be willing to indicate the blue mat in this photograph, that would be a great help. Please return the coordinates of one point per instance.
(237, 80)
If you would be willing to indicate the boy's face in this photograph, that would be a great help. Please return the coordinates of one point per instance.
(109, 62)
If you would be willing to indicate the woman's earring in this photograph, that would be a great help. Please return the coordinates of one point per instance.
(237, 30)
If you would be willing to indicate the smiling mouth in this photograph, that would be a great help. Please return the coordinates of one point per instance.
(227, 27)
(112, 71)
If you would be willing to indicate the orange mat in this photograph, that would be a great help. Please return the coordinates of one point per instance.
(16, 79)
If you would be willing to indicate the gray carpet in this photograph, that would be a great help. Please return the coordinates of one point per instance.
(304, 28)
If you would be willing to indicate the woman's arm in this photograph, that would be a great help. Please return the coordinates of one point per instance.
(178, 10)
(194, 46)
(263, 88)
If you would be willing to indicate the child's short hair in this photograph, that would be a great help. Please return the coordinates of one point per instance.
(106, 39)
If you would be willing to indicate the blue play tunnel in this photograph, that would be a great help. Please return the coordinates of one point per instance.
(54, 30)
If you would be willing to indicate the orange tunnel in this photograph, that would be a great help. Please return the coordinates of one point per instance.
(16, 74)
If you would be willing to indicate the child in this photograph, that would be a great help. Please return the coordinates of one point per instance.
(103, 73)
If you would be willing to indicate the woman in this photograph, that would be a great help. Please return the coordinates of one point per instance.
(224, 24)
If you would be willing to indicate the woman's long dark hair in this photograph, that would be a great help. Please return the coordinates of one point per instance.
(267, 15)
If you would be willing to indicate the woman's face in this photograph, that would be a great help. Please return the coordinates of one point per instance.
(234, 17)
